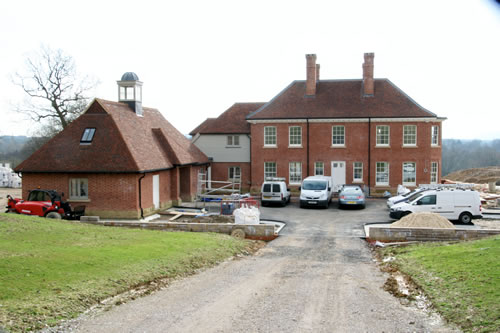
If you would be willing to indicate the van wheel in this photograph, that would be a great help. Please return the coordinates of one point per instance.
(53, 215)
(283, 203)
(465, 218)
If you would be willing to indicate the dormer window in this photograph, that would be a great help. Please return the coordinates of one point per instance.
(87, 136)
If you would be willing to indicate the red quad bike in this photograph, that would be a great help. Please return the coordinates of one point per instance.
(44, 203)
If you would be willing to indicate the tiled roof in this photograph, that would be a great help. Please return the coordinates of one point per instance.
(202, 126)
(341, 99)
(233, 120)
(123, 142)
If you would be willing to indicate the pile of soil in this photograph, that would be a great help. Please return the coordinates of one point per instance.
(423, 220)
(476, 175)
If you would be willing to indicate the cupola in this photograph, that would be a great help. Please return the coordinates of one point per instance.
(130, 92)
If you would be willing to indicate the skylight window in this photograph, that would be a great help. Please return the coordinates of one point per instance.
(87, 136)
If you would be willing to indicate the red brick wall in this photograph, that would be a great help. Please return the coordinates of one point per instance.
(356, 150)
(109, 194)
(220, 172)
(113, 195)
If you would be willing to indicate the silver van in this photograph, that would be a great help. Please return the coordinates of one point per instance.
(274, 190)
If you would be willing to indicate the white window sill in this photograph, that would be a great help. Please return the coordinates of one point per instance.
(294, 183)
(382, 185)
(275, 146)
(78, 200)
(409, 146)
(410, 184)
(295, 146)
(337, 146)
(382, 146)
(357, 181)
(435, 146)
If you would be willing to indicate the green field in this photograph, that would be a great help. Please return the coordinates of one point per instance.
(52, 269)
(462, 280)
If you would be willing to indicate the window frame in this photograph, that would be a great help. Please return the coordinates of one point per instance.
(336, 135)
(270, 135)
(434, 173)
(407, 136)
(87, 135)
(354, 167)
(295, 136)
(78, 183)
(275, 167)
(434, 135)
(297, 173)
(404, 173)
(322, 168)
(232, 169)
(233, 141)
(382, 135)
(377, 172)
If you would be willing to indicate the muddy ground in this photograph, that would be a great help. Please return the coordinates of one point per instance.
(318, 276)
(15, 192)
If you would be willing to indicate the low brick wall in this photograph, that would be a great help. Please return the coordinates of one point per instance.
(386, 234)
(252, 231)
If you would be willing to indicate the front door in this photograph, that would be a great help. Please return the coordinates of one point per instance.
(156, 191)
(338, 175)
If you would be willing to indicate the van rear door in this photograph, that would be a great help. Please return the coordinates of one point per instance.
(446, 205)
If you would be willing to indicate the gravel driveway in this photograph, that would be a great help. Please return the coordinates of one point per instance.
(318, 276)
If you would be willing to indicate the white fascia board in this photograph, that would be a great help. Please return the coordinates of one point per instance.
(348, 120)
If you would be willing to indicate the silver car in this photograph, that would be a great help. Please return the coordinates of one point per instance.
(351, 195)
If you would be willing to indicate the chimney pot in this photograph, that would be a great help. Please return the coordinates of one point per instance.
(311, 75)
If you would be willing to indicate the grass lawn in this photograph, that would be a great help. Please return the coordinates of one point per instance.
(462, 280)
(52, 270)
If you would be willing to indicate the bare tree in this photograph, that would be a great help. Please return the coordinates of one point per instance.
(56, 93)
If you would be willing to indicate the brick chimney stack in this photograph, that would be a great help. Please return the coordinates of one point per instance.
(311, 75)
(317, 72)
(368, 82)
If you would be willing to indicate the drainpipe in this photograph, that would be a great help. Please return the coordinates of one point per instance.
(307, 163)
(369, 150)
(140, 194)
(250, 138)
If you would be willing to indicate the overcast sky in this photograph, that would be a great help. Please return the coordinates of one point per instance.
(197, 58)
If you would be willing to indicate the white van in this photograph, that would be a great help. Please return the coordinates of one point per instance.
(458, 204)
(316, 191)
(274, 190)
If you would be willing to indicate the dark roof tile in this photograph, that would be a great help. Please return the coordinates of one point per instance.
(233, 120)
(341, 99)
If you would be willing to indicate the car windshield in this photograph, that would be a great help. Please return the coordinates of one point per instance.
(351, 190)
(314, 185)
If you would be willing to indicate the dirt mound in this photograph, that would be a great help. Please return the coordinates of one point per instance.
(423, 220)
(477, 175)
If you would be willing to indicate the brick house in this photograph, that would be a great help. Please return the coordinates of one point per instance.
(365, 131)
(118, 159)
(226, 142)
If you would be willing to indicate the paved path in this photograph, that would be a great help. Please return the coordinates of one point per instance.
(318, 276)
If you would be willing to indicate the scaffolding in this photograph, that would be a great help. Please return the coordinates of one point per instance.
(222, 189)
